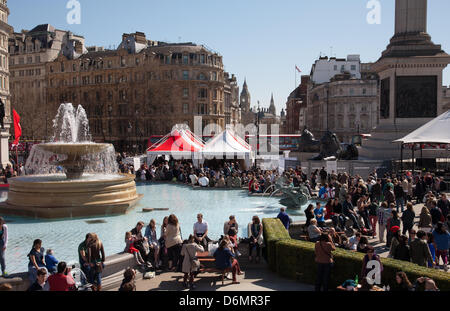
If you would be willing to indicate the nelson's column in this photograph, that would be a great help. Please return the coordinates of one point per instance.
(5, 105)
(410, 71)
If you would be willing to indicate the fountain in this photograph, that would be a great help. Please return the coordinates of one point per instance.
(71, 176)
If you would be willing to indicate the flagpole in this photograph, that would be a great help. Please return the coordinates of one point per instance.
(17, 160)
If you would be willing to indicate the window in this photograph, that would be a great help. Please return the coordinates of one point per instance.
(110, 78)
(353, 67)
(335, 68)
(203, 93)
(75, 81)
(202, 58)
(38, 59)
(342, 68)
(109, 64)
(185, 59)
(364, 91)
(352, 91)
(62, 67)
(201, 76)
(185, 92)
(214, 76)
(185, 75)
(122, 61)
(185, 108)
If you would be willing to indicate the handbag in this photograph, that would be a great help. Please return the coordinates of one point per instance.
(99, 267)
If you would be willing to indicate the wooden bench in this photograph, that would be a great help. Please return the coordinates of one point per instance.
(205, 258)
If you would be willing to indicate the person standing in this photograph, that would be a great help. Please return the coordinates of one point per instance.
(96, 259)
(82, 256)
(407, 218)
(284, 217)
(373, 216)
(324, 259)
(173, 242)
(425, 221)
(442, 240)
(3, 245)
(191, 264)
(419, 251)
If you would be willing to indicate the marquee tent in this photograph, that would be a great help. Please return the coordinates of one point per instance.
(228, 145)
(435, 133)
(181, 143)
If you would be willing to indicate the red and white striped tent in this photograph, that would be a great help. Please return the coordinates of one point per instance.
(181, 143)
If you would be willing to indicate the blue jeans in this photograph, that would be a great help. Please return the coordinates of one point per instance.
(400, 202)
(2, 256)
(323, 276)
(96, 277)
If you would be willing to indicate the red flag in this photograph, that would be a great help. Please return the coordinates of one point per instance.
(17, 127)
(298, 69)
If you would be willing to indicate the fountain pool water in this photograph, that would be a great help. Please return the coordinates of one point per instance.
(64, 235)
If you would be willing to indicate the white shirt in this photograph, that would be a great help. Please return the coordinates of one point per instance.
(193, 178)
(200, 227)
(353, 243)
(203, 181)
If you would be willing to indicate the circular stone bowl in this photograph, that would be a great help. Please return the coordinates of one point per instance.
(74, 149)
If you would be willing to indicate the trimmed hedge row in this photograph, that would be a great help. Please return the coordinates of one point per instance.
(296, 260)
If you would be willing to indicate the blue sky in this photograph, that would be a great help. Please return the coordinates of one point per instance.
(260, 40)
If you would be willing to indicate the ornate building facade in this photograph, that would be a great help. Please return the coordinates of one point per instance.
(141, 89)
(296, 107)
(345, 106)
(231, 97)
(5, 32)
(30, 51)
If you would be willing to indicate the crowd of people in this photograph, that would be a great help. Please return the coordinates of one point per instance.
(163, 251)
(357, 210)
(348, 213)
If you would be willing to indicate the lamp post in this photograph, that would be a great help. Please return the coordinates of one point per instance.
(110, 109)
(257, 122)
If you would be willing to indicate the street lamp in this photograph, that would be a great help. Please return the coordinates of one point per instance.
(110, 109)
(257, 122)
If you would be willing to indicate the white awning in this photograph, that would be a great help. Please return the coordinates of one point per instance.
(437, 131)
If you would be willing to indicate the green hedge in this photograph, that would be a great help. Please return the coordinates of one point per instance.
(274, 231)
(296, 259)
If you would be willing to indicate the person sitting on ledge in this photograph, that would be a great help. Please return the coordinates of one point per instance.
(41, 282)
(314, 231)
(203, 181)
(50, 261)
(62, 281)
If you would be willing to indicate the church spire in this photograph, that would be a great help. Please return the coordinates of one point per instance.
(272, 108)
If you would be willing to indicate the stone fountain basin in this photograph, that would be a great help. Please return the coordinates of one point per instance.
(52, 197)
(74, 149)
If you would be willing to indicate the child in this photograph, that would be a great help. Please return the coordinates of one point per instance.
(50, 261)
(129, 248)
